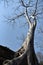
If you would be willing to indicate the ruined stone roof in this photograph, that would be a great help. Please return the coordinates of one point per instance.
(5, 53)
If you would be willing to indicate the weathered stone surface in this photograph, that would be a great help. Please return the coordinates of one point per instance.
(5, 53)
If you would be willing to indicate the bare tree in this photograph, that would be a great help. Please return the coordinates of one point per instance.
(26, 54)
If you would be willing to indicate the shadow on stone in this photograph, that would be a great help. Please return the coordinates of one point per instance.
(5, 53)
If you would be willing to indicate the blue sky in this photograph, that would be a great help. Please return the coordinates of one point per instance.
(10, 32)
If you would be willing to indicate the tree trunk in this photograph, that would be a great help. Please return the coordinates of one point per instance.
(26, 54)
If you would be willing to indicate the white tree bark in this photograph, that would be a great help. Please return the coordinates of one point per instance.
(27, 49)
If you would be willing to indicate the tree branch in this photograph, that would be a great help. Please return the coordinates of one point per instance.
(34, 13)
(27, 17)
(13, 18)
(25, 5)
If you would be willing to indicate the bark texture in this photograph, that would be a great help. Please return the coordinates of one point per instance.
(26, 54)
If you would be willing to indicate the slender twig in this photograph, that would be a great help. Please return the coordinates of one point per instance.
(13, 18)
(25, 5)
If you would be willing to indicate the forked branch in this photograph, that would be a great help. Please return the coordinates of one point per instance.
(25, 5)
(27, 17)
(35, 11)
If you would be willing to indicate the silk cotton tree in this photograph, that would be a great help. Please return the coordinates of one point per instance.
(26, 54)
